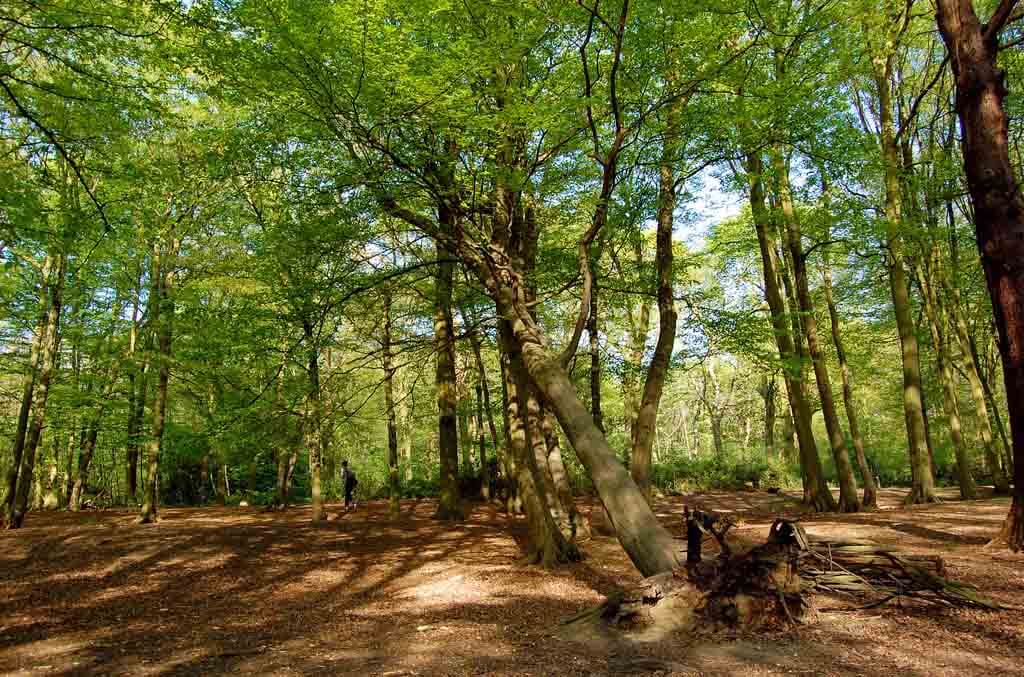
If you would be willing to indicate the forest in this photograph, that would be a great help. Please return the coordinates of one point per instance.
(570, 287)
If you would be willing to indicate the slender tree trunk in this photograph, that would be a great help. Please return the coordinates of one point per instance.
(789, 436)
(923, 490)
(972, 369)
(394, 490)
(312, 428)
(35, 353)
(485, 477)
(478, 356)
(41, 392)
(639, 325)
(136, 410)
(162, 317)
(870, 499)
(560, 545)
(465, 437)
(509, 460)
(816, 493)
(767, 392)
(654, 384)
(848, 499)
(85, 452)
(937, 321)
(580, 525)
(998, 205)
(405, 429)
(595, 349)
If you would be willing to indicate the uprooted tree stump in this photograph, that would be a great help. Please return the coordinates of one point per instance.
(756, 588)
(765, 585)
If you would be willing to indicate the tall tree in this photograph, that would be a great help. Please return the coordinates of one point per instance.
(998, 205)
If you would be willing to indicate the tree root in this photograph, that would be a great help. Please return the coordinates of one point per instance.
(769, 584)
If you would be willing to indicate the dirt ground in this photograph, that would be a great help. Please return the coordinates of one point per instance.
(235, 590)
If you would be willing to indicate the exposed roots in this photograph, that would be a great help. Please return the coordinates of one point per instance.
(148, 517)
(449, 514)
(822, 502)
(1012, 533)
(918, 497)
(768, 585)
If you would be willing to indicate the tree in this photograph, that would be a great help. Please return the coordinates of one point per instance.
(998, 206)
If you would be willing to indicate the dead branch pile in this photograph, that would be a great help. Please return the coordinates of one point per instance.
(866, 569)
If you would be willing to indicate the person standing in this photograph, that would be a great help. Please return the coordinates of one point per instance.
(349, 482)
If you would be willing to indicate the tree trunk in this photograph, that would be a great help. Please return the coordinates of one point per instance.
(998, 206)
(478, 356)
(35, 352)
(312, 428)
(654, 384)
(848, 499)
(580, 525)
(405, 428)
(162, 317)
(972, 369)
(923, 489)
(509, 460)
(870, 500)
(595, 349)
(816, 493)
(85, 451)
(767, 392)
(465, 436)
(560, 546)
(485, 477)
(937, 321)
(551, 539)
(41, 392)
(448, 507)
(394, 490)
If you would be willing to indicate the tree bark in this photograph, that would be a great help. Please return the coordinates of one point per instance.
(639, 325)
(767, 392)
(654, 384)
(465, 434)
(478, 356)
(937, 321)
(848, 499)
(86, 448)
(162, 317)
(998, 205)
(870, 499)
(405, 428)
(448, 507)
(595, 348)
(41, 392)
(485, 477)
(923, 489)
(972, 369)
(816, 493)
(551, 539)
(394, 489)
(312, 428)
(35, 353)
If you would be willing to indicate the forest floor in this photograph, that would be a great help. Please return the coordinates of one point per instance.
(236, 590)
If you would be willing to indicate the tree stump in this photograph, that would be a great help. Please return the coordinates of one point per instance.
(758, 588)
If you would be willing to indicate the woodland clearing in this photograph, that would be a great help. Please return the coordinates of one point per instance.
(236, 590)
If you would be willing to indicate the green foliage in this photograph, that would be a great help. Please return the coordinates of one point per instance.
(730, 472)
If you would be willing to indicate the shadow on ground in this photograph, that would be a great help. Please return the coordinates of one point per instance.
(218, 590)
